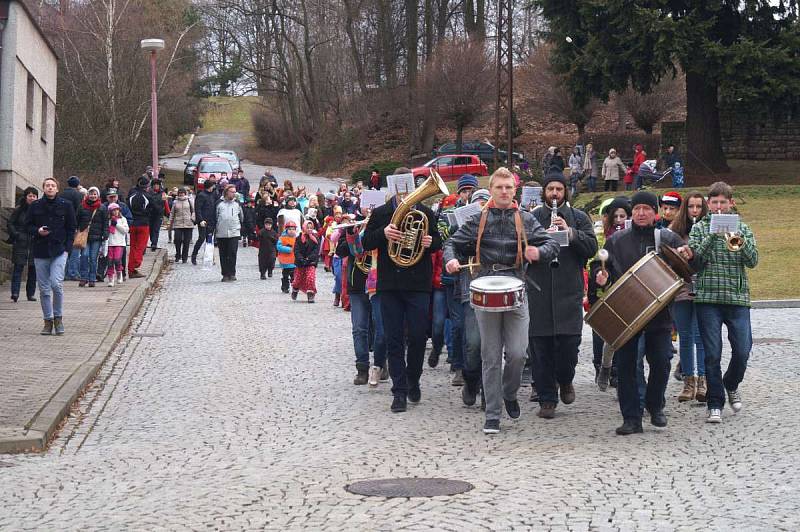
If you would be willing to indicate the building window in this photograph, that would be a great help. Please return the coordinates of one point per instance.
(43, 129)
(29, 102)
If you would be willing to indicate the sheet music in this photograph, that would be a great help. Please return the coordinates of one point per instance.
(400, 184)
(628, 223)
(724, 223)
(562, 237)
(372, 198)
(531, 197)
(464, 213)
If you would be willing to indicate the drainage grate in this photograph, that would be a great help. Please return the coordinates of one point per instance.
(148, 334)
(760, 341)
(409, 487)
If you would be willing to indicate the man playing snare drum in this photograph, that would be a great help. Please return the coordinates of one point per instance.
(503, 239)
(625, 248)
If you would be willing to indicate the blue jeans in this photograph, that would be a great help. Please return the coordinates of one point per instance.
(74, 264)
(359, 318)
(689, 340)
(658, 352)
(591, 182)
(710, 318)
(439, 318)
(16, 280)
(379, 342)
(401, 312)
(89, 260)
(456, 313)
(473, 364)
(50, 278)
(336, 266)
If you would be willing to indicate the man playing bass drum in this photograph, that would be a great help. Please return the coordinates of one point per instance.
(405, 297)
(625, 248)
(503, 239)
(556, 318)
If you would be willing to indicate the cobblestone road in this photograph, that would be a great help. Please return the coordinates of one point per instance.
(243, 416)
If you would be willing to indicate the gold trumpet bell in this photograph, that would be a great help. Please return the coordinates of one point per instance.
(734, 241)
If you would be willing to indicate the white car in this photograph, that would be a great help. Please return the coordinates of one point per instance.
(230, 155)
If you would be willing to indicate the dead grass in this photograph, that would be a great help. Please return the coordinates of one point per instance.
(229, 113)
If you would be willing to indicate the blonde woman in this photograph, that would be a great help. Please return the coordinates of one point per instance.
(613, 170)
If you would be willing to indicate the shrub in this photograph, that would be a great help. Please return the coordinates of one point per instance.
(330, 149)
(383, 168)
(271, 131)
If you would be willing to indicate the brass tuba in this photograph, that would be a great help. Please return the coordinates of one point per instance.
(734, 241)
(413, 223)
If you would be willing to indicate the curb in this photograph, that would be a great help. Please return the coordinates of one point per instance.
(776, 303)
(38, 431)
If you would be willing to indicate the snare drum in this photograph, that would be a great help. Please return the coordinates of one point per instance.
(497, 293)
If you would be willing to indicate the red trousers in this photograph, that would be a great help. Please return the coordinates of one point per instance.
(345, 295)
(139, 235)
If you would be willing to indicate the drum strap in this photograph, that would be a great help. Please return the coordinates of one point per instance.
(522, 238)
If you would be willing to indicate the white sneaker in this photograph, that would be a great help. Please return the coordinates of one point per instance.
(111, 281)
(714, 415)
(374, 375)
(735, 400)
(119, 277)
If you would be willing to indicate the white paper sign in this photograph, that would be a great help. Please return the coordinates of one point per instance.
(531, 197)
(724, 223)
(562, 237)
(400, 184)
(628, 223)
(370, 199)
(464, 213)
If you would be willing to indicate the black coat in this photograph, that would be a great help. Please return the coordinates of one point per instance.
(267, 238)
(204, 207)
(21, 239)
(625, 248)
(306, 253)
(59, 217)
(249, 219)
(558, 308)
(74, 196)
(391, 277)
(141, 204)
(264, 211)
(97, 224)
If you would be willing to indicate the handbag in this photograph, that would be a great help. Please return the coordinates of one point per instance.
(82, 237)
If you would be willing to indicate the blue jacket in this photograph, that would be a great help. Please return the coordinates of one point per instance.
(59, 217)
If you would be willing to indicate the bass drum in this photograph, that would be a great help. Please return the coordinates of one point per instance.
(635, 299)
(497, 293)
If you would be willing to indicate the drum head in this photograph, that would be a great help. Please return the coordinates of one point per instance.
(496, 283)
(675, 261)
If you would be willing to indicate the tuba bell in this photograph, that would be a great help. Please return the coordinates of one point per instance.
(413, 223)
(734, 241)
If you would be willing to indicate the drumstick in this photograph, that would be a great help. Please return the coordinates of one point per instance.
(603, 256)
(468, 265)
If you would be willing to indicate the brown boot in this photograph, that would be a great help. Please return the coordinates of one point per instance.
(689, 389)
(336, 299)
(47, 330)
(567, 393)
(547, 410)
(701, 390)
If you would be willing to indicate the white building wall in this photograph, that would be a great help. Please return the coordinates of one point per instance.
(26, 149)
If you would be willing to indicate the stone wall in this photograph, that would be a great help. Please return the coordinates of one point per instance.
(746, 137)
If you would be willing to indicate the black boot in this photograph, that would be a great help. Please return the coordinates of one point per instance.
(361, 377)
(630, 426)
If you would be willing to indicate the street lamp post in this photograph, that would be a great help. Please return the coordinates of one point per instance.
(152, 46)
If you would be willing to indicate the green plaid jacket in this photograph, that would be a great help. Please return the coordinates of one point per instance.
(722, 278)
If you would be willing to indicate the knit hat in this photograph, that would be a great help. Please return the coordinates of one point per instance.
(143, 181)
(620, 202)
(73, 181)
(112, 206)
(467, 181)
(671, 198)
(645, 198)
(268, 221)
(480, 194)
(554, 175)
(181, 189)
(93, 188)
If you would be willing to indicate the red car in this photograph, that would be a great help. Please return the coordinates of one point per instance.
(211, 165)
(451, 167)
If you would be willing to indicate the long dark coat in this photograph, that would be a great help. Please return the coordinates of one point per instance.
(21, 239)
(557, 309)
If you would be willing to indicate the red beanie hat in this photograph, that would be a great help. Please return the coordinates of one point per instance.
(671, 198)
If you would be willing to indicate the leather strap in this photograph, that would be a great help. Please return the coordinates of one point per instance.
(522, 238)
(481, 227)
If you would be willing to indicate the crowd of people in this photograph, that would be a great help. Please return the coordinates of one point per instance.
(394, 308)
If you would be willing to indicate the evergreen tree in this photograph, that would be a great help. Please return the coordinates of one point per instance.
(742, 52)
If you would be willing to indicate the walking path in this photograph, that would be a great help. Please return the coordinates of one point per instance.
(230, 407)
(42, 375)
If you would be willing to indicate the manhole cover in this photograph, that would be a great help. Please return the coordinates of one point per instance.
(758, 341)
(409, 487)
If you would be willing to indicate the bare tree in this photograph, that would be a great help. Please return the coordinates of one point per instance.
(649, 109)
(550, 93)
(459, 82)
